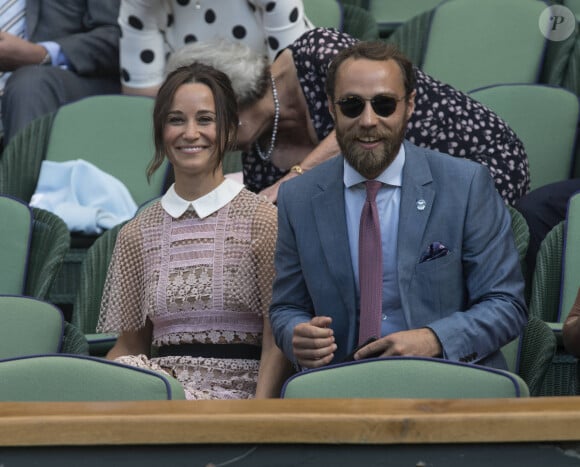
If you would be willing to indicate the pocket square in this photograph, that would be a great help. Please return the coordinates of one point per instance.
(434, 251)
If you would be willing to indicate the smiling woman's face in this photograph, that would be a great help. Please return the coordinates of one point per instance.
(190, 130)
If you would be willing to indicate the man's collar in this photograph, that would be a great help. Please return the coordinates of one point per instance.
(216, 199)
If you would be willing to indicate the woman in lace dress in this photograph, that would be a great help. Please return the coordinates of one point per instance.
(191, 275)
(286, 127)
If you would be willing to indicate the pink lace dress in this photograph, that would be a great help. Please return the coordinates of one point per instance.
(199, 281)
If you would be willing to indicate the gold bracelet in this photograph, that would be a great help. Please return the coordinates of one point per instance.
(297, 169)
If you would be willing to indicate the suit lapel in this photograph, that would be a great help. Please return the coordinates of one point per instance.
(329, 212)
(417, 196)
(32, 12)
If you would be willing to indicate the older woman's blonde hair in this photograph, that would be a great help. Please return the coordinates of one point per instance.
(247, 70)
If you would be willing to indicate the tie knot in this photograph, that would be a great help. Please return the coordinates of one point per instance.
(372, 189)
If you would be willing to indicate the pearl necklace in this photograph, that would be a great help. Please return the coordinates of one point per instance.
(266, 156)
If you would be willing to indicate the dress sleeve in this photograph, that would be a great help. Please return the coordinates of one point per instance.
(313, 51)
(122, 306)
(264, 233)
(312, 54)
(142, 43)
(283, 22)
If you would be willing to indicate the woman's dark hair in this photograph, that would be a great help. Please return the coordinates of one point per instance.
(225, 105)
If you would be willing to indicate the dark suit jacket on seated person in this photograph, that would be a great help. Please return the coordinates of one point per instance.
(87, 33)
(471, 298)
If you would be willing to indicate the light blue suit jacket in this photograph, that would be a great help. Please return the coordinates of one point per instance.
(472, 298)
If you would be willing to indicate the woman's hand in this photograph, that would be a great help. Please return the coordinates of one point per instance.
(271, 193)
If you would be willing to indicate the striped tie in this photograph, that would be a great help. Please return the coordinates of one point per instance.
(11, 21)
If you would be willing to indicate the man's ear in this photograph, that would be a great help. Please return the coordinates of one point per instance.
(331, 107)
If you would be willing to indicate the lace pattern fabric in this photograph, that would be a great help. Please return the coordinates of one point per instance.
(204, 378)
(198, 281)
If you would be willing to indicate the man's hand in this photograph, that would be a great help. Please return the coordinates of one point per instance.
(16, 52)
(417, 342)
(313, 342)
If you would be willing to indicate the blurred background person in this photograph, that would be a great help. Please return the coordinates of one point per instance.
(53, 52)
(153, 29)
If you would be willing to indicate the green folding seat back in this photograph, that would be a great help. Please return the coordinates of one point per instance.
(390, 14)
(29, 326)
(87, 302)
(554, 288)
(113, 132)
(545, 118)
(62, 377)
(325, 13)
(404, 377)
(34, 243)
(48, 248)
(344, 16)
(475, 43)
(15, 238)
(571, 258)
(530, 356)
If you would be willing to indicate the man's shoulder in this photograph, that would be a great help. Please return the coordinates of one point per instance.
(300, 190)
(441, 165)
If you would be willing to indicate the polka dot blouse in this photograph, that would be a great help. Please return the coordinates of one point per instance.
(152, 29)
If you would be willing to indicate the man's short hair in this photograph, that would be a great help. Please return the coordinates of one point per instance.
(371, 50)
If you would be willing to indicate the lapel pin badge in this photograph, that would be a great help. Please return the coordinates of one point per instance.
(421, 204)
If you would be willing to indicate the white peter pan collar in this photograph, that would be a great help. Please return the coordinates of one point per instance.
(216, 199)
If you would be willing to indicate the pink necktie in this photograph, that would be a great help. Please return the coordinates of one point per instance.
(370, 263)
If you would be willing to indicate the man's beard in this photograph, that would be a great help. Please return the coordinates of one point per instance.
(370, 163)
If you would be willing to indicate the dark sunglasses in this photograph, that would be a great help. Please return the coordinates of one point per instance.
(383, 106)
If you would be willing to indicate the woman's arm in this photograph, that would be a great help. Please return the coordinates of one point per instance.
(274, 366)
(137, 77)
(133, 342)
(326, 149)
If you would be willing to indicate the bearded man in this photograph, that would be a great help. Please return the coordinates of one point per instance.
(427, 268)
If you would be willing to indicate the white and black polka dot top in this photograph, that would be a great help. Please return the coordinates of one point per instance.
(152, 29)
